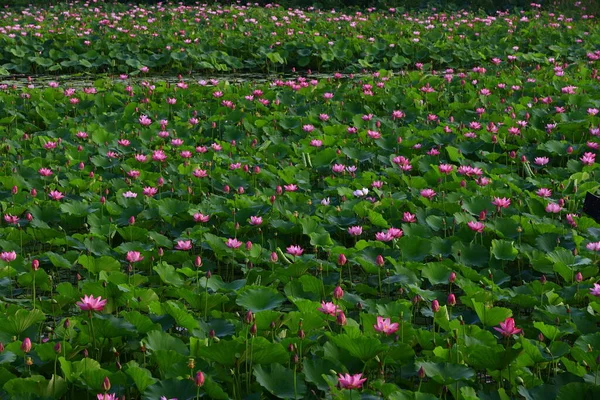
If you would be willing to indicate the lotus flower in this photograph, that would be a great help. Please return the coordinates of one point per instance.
(295, 250)
(89, 303)
(183, 245)
(384, 325)
(329, 308)
(348, 381)
(507, 328)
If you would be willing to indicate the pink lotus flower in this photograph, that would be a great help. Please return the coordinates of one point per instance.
(45, 171)
(200, 173)
(130, 195)
(338, 168)
(308, 128)
(384, 236)
(89, 303)
(384, 325)
(595, 291)
(199, 217)
(395, 232)
(11, 219)
(159, 155)
(8, 256)
(428, 193)
(355, 230)
(541, 160)
(233, 243)
(149, 191)
(544, 192)
(145, 121)
(476, 226)
(350, 382)
(409, 218)
(56, 195)
(290, 188)
(329, 308)
(507, 328)
(184, 245)
(255, 220)
(446, 168)
(106, 396)
(553, 208)
(593, 246)
(588, 158)
(501, 202)
(134, 256)
(295, 250)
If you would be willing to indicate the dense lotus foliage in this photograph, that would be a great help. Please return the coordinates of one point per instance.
(401, 234)
(175, 38)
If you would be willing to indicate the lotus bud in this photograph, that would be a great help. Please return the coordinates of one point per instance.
(274, 257)
(341, 260)
(341, 318)
(435, 306)
(301, 333)
(451, 300)
(199, 380)
(253, 329)
(452, 277)
(131, 220)
(421, 373)
(338, 293)
(106, 384)
(249, 317)
(15, 189)
(26, 345)
(198, 262)
(35, 264)
(578, 277)
(379, 260)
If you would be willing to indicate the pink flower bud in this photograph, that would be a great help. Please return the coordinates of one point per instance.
(338, 293)
(451, 300)
(35, 264)
(106, 384)
(379, 260)
(435, 306)
(341, 260)
(274, 257)
(452, 277)
(199, 380)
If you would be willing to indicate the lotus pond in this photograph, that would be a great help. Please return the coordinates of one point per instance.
(398, 234)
